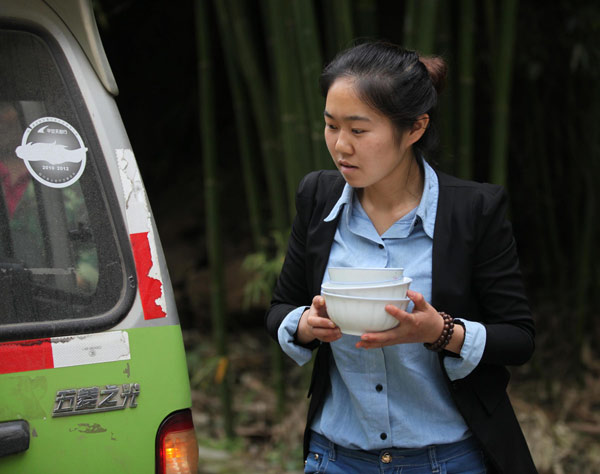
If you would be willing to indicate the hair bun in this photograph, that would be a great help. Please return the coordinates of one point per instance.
(437, 69)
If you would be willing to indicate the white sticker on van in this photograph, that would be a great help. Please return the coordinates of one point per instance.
(53, 152)
(108, 346)
(66, 351)
(141, 234)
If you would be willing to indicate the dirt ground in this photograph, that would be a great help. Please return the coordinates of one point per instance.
(559, 416)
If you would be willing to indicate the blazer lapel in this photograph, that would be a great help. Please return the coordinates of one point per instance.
(451, 271)
(321, 233)
(441, 246)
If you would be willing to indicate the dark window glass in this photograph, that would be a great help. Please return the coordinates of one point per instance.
(59, 253)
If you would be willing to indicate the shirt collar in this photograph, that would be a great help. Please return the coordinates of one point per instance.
(426, 210)
(345, 198)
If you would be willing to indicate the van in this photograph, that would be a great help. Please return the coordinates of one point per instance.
(93, 375)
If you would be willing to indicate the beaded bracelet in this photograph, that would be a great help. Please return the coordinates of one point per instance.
(446, 335)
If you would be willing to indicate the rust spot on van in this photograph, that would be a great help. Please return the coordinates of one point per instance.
(88, 428)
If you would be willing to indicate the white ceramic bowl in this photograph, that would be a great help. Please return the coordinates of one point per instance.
(356, 315)
(391, 289)
(356, 274)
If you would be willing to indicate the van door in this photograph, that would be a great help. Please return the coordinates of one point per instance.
(92, 364)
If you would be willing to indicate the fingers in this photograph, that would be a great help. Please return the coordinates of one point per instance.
(420, 304)
(322, 327)
(318, 303)
(375, 340)
(397, 313)
(327, 335)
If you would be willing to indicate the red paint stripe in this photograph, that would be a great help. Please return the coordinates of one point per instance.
(150, 288)
(22, 356)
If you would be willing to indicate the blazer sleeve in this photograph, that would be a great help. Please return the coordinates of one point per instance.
(498, 284)
(291, 289)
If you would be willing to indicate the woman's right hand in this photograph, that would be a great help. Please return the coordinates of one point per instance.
(315, 324)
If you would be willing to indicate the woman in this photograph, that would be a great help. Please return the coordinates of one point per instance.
(415, 398)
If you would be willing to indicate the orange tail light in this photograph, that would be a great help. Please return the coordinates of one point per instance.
(176, 445)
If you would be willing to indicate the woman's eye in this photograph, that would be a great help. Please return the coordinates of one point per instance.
(357, 131)
(330, 126)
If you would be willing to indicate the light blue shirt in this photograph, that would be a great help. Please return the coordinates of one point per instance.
(395, 396)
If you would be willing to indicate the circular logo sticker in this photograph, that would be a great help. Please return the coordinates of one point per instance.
(53, 152)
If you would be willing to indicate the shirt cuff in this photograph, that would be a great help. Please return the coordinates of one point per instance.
(286, 336)
(470, 353)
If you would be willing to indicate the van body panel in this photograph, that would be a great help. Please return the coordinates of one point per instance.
(121, 439)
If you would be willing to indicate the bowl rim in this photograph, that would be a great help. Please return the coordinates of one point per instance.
(365, 298)
(348, 285)
(386, 269)
(367, 282)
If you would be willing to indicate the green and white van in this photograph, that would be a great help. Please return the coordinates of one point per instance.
(93, 376)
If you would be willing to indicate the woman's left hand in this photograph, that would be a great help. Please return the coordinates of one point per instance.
(424, 324)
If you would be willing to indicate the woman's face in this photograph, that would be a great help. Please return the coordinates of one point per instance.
(362, 142)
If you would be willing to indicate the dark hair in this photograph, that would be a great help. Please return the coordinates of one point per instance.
(394, 81)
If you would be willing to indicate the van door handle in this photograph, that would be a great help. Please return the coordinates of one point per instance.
(14, 437)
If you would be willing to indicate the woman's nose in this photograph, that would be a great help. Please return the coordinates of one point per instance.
(342, 144)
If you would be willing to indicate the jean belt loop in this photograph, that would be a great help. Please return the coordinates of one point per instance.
(435, 467)
(332, 451)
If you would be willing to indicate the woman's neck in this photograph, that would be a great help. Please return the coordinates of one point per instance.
(390, 200)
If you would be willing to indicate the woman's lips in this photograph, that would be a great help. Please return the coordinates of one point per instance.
(346, 166)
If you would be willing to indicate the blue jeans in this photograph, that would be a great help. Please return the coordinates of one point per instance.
(463, 457)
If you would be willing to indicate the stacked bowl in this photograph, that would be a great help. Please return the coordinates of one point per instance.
(356, 297)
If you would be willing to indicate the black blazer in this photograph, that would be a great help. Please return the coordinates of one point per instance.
(476, 275)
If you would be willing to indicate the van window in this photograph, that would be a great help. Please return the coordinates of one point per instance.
(61, 259)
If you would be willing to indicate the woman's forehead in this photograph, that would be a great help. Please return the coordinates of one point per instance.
(344, 103)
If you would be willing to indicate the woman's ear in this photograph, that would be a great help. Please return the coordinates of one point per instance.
(418, 128)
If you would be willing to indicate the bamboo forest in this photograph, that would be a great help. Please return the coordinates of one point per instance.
(222, 105)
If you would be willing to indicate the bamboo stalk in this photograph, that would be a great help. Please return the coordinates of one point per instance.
(447, 102)
(262, 110)
(501, 99)
(294, 129)
(410, 20)
(344, 23)
(584, 179)
(311, 62)
(549, 248)
(426, 26)
(212, 202)
(466, 81)
(292, 118)
(242, 121)
(339, 32)
(366, 18)
(489, 10)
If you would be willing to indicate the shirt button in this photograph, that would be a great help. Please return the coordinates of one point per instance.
(379, 387)
(380, 246)
(383, 436)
